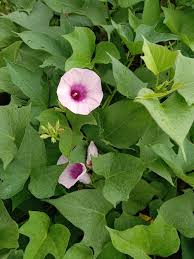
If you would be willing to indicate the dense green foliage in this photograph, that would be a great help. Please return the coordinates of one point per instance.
(140, 201)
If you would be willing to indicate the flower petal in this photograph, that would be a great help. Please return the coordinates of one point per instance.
(85, 178)
(66, 180)
(92, 152)
(81, 108)
(80, 90)
(71, 174)
(62, 160)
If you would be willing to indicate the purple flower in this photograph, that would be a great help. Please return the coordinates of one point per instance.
(92, 152)
(74, 173)
(80, 90)
(62, 160)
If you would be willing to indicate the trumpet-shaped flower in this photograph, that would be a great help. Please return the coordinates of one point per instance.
(80, 90)
(74, 173)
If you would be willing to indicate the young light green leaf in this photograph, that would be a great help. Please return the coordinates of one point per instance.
(142, 241)
(79, 251)
(165, 115)
(126, 81)
(178, 212)
(158, 58)
(86, 209)
(123, 123)
(82, 41)
(151, 12)
(8, 229)
(121, 171)
(102, 50)
(184, 75)
(50, 239)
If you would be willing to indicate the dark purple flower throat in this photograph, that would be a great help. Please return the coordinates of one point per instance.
(76, 170)
(78, 92)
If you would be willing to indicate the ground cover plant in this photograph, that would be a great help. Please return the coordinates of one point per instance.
(96, 129)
